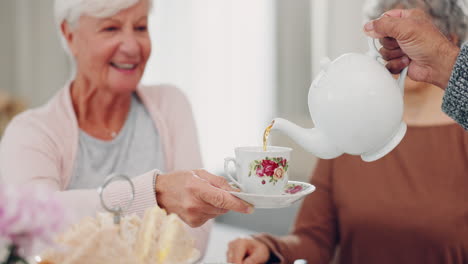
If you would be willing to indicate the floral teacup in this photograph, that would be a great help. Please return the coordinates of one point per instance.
(258, 171)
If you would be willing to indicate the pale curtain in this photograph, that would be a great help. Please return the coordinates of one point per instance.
(221, 53)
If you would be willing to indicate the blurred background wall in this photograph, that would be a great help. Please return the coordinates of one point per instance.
(33, 65)
(241, 62)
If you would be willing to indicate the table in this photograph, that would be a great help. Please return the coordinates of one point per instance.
(220, 237)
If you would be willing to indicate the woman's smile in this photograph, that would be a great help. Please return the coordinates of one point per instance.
(125, 68)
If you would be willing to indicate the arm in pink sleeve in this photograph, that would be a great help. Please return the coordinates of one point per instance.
(182, 143)
(29, 156)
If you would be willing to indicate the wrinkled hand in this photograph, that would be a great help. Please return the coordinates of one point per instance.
(409, 38)
(247, 251)
(197, 196)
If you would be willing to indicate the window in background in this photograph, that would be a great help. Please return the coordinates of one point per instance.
(221, 53)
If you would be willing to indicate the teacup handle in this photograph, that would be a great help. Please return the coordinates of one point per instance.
(226, 170)
(374, 52)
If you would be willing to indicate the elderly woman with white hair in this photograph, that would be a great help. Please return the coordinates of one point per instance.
(103, 122)
(409, 207)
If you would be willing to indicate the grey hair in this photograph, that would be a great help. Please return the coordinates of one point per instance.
(71, 11)
(449, 16)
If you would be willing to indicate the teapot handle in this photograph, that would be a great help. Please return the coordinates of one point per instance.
(401, 80)
(374, 53)
(373, 50)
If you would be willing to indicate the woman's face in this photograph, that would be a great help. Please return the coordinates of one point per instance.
(112, 52)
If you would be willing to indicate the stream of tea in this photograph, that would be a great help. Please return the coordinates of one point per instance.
(266, 134)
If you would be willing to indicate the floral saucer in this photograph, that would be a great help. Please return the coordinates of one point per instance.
(293, 192)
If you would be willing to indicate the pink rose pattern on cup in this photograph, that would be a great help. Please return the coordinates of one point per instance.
(270, 169)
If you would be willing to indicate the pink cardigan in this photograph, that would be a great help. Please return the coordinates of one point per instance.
(39, 147)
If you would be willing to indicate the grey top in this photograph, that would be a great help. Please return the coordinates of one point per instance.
(455, 103)
(134, 151)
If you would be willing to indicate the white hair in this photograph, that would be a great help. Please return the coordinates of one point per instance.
(71, 11)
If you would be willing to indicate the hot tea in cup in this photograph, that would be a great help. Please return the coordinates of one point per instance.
(258, 171)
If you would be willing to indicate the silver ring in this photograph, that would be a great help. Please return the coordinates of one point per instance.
(109, 180)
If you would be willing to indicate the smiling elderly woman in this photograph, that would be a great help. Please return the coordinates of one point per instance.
(104, 122)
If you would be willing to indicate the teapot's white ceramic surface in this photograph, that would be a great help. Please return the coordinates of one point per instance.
(356, 106)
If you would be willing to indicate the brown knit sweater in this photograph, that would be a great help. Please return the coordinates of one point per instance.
(409, 207)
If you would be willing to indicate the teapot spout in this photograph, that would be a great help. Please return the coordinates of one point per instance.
(312, 139)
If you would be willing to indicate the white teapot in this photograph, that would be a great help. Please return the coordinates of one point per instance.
(356, 106)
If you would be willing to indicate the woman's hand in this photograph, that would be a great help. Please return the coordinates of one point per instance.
(247, 251)
(197, 196)
(409, 38)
